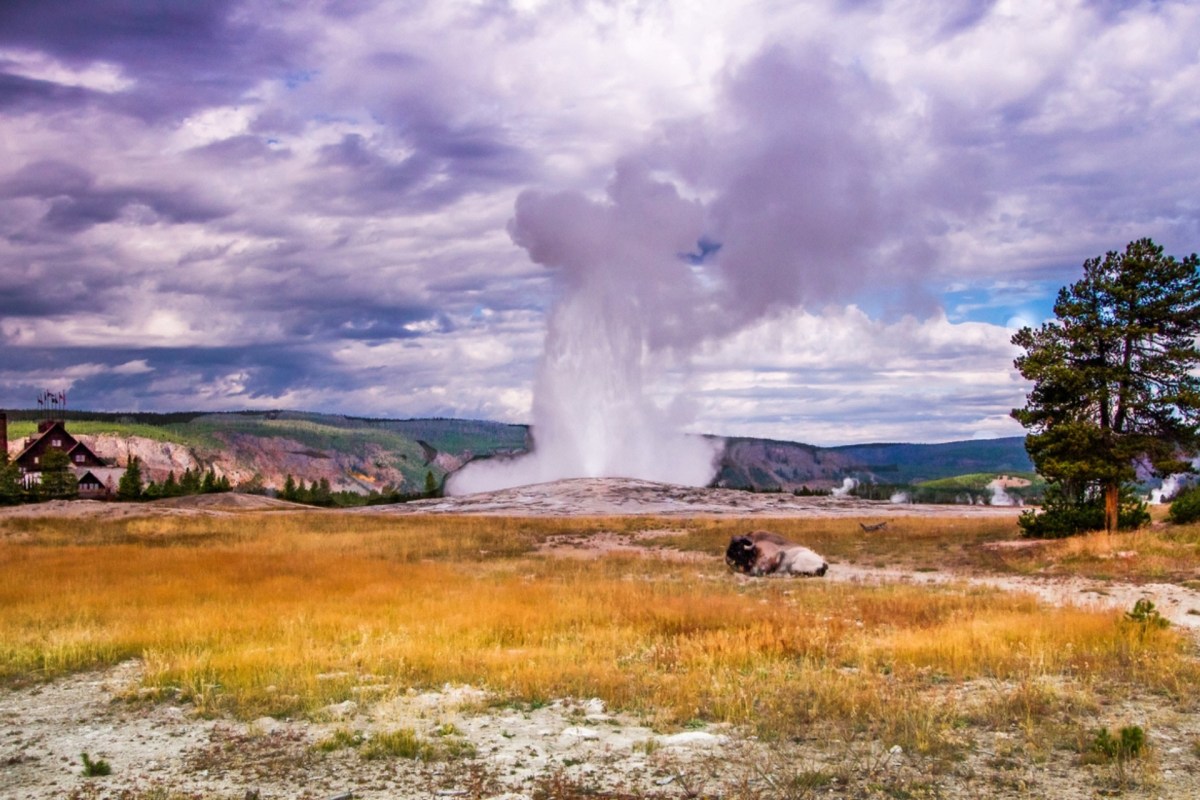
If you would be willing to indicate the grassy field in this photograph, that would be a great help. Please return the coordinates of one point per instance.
(976, 481)
(283, 614)
(180, 434)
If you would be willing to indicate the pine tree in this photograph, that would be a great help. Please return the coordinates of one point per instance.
(129, 488)
(289, 488)
(58, 481)
(189, 483)
(1115, 377)
(10, 484)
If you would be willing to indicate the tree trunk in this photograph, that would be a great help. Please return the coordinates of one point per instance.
(1112, 506)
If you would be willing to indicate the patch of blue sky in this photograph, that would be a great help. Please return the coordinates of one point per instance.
(297, 78)
(1013, 304)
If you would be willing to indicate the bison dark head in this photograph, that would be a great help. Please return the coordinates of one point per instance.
(740, 554)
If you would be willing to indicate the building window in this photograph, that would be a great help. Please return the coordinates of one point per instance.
(56, 442)
(79, 458)
(37, 459)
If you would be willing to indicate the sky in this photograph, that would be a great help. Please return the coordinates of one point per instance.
(824, 220)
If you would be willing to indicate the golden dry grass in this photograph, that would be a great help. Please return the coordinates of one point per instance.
(284, 614)
(1158, 553)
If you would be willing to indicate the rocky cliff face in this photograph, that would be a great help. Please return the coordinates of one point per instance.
(158, 459)
(274, 458)
(242, 457)
(767, 464)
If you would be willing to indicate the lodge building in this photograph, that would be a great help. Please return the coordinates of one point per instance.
(90, 470)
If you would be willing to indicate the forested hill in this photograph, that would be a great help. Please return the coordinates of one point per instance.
(771, 464)
(259, 449)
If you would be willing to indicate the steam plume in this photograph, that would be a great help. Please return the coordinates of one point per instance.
(797, 192)
(848, 486)
(624, 286)
(999, 496)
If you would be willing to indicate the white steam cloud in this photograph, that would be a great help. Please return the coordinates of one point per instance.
(1170, 487)
(802, 191)
(999, 496)
(848, 486)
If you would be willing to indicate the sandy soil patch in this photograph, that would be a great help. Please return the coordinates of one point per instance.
(220, 504)
(163, 750)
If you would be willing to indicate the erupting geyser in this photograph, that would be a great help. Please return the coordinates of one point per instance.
(623, 284)
(798, 190)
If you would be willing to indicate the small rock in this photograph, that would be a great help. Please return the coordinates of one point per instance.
(266, 724)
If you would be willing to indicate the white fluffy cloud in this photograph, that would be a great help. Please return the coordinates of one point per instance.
(842, 377)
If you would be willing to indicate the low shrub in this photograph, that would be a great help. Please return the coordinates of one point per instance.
(1105, 748)
(1144, 613)
(1186, 506)
(95, 769)
(1062, 516)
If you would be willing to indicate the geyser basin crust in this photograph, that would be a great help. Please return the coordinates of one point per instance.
(614, 496)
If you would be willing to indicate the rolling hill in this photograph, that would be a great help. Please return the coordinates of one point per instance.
(259, 449)
(770, 464)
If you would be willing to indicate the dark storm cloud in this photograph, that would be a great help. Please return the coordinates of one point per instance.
(25, 300)
(183, 55)
(47, 179)
(21, 94)
(76, 203)
(444, 165)
(106, 382)
(358, 318)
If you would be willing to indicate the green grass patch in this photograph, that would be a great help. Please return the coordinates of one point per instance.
(977, 482)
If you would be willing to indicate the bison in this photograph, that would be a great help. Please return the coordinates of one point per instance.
(765, 553)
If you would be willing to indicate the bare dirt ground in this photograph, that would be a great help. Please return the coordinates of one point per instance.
(203, 504)
(573, 747)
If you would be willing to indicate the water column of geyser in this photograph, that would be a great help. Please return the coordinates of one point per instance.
(621, 278)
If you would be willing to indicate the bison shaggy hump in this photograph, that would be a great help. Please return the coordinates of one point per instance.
(765, 553)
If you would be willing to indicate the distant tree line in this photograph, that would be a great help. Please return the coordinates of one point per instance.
(319, 493)
(131, 488)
